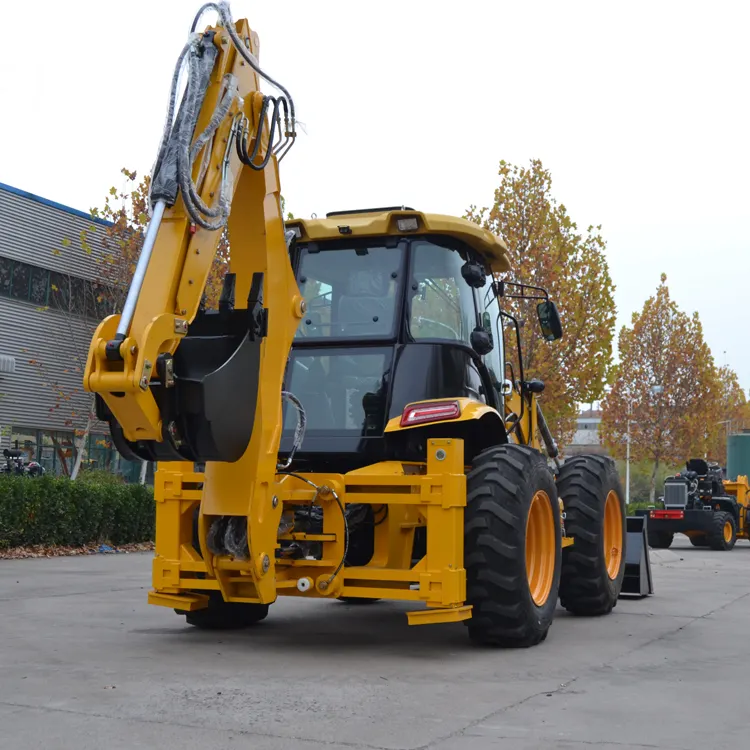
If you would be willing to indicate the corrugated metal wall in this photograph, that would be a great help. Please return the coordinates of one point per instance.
(30, 229)
(27, 397)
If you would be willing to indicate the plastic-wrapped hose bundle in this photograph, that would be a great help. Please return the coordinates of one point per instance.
(174, 163)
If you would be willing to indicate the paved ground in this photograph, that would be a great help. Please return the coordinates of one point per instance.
(86, 664)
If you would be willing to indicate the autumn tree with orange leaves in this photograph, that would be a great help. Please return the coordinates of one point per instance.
(547, 249)
(665, 385)
(731, 413)
(126, 210)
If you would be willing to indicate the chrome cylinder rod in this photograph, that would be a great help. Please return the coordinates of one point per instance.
(140, 270)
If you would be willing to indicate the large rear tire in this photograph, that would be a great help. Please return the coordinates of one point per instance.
(723, 533)
(594, 566)
(512, 547)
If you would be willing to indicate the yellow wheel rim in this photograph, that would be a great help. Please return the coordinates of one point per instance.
(540, 548)
(612, 534)
(728, 531)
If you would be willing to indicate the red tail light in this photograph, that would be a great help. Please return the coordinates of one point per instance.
(674, 514)
(430, 412)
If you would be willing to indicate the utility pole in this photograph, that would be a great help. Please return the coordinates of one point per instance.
(728, 423)
(627, 457)
(655, 390)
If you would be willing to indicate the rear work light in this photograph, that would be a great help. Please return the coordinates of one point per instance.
(673, 514)
(430, 412)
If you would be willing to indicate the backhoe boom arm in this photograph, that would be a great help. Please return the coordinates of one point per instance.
(176, 382)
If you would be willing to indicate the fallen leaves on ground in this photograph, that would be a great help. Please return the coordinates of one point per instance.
(43, 550)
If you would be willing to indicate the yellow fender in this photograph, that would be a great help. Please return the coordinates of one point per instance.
(468, 410)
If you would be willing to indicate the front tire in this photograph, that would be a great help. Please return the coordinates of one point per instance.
(723, 533)
(594, 566)
(221, 615)
(660, 539)
(512, 547)
(699, 541)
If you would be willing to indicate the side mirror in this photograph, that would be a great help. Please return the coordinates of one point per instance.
(481, 341)
(473, 274)
(549, 320)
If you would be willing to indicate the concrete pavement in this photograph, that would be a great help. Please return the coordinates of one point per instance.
(85, 663)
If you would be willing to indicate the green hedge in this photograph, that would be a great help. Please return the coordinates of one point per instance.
(50, 510)
(95, 509)
(633, 507)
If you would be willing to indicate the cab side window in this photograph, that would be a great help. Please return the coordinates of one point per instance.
(491, 318)
(442, 305)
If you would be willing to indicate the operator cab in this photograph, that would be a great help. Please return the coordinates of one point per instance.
(391, 318)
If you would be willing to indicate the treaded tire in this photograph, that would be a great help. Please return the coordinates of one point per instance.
(698, 541)
(660, 539)
(500, 488)
(715, 535)
(584, 483)
(221, 615)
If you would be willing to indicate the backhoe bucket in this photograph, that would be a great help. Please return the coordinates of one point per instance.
(216, 384)
(637, 580)
(208, 391)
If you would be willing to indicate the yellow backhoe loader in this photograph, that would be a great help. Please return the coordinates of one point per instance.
(346, 425)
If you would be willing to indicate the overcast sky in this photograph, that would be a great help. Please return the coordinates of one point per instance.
(639, 109)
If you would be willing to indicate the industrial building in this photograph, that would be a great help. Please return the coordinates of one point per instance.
(586, 438)
(50, 257)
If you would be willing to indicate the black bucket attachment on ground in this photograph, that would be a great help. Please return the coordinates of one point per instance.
(637, 580)
(208, 392)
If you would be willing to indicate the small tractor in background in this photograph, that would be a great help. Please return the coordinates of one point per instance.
(699, 503)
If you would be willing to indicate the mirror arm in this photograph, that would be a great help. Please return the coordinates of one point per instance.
(528, 296)
(544, 294)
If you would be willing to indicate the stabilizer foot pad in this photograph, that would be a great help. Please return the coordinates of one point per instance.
(435, 616)
(186, 602)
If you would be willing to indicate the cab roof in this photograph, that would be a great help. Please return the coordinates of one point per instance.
(379, 222)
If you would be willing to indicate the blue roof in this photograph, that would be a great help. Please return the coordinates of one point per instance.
(53, 204)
